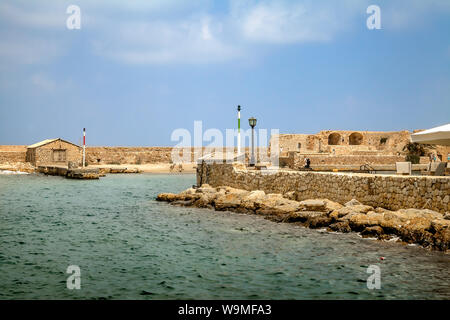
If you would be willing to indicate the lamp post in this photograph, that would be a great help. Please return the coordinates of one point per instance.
(239, 131)
(84, 147)
(252, 123)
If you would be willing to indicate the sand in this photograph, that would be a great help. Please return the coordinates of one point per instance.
(153, 167)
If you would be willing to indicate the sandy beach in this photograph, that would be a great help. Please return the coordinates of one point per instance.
(153, 167)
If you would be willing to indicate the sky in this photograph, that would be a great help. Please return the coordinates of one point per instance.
(136, 71)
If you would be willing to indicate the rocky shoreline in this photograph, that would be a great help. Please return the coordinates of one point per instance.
(424, 227)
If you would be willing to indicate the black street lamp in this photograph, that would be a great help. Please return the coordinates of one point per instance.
(252, 123)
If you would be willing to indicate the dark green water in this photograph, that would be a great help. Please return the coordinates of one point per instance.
(129, 246)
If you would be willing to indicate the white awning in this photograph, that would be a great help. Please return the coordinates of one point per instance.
(439, 135)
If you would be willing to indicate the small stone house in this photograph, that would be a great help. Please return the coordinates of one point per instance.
(54, 152)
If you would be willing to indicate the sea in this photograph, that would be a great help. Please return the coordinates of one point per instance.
(110, 239)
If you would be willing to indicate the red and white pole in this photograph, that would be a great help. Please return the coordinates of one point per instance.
(84, 146)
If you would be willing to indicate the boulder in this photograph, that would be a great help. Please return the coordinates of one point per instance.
(340, 227)
(169, 197)
(360, 221)
(311, 219)
(228, 201)
(275, 204)
(441, 236)
(205, 188)
(188, 191)
(375, 231)
(360, 208)
(352, 202)
(291, 195)
(313, 205)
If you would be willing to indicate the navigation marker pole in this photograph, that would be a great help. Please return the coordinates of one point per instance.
(84, 146)
(239, 131)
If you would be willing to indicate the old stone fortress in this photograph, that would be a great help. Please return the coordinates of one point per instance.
(327, 149)
(378, 202)
(351, 149)
(347, 167)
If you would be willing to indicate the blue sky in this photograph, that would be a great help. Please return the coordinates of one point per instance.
(137, 70)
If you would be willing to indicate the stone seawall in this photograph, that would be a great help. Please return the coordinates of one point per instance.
(12, 153)
(299, 160)
(139, 155)
(128, 155)
(387, 191)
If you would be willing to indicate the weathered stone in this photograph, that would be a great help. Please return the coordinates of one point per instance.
(313, 205)
(352, 202)
(375, 231)
(227, 201)
(422, 226)
(168, 197)
(340, 227)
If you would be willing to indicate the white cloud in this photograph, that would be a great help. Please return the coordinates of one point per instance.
(19, 48)
(275, 22)
(43, 82)
(410, 14)
(171, 31)
(33, 17)
(192, 41)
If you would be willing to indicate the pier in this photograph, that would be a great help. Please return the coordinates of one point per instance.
(83, 174)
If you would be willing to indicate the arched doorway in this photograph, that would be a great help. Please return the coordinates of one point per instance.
(355, 139)
(334, 139)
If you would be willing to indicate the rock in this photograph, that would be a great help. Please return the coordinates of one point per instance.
(311, 219)
(256, 195)
(360, 221)
(360, 208)
(340, 227)
(331, 205)
(275, 204)
(419, 213)
(313, 205)
(188, 191)
(353, 202)
(228, 201)
(441, 236)
(168, 197)
(447, 216)
(375, 231)
(205, 188)
(290, 195)
(422, 226)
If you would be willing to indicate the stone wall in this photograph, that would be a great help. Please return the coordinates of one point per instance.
(140, 155)
(388, 191)
(127, 155)
(11, 154)
(318, 159)
(340, 142)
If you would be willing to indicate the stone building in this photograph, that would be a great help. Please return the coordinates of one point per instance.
(344, 142)
(54, 152)
(343, 147)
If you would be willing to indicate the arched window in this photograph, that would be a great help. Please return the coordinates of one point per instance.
(355, 139)
(334, 139)
(299, 145)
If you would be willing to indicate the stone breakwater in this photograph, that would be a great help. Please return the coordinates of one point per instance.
(425, 227)
(392, 192)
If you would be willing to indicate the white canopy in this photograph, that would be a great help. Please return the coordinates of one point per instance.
(439, 135)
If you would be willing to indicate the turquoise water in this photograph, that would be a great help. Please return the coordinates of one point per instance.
(129, 246)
